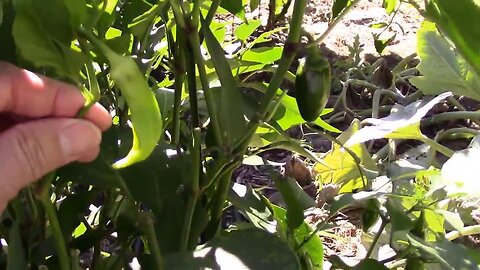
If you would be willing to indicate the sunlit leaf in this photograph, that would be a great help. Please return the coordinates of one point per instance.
(244, 30)
(454, 19)
(252, 249)
(460, 172)
(339, 167)
(441, 69)
(390, 5)
(402, 124)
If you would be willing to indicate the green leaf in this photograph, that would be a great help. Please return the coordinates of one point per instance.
(235, 7)
(72, 210)
(402, 124)
(230, 103)
(304, 236)
(42, 34)
(455, 18)
(265, 55)
(340, 167)
(244, 30)
(291, 116)
(381, 44)
(253, 204)
(347, 199)
(390, 5)
(442, 70)
(244, 249)
(77, 10)
(139, 25)
(296, 199)
(338, 7)
(448, 254)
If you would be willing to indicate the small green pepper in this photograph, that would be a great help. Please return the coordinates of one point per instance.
(312, 85)
(145, 113)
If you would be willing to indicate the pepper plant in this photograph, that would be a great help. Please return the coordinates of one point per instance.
(186, 113)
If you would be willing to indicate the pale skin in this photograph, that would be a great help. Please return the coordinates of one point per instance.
(38, 129)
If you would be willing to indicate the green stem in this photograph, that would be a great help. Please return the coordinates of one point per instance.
(94, 88)
(194, 40)
(446, 116)
(218, 203)
(179, 65)
(58, 238)
(474, 229)
(153, 243)
(288, 54)
(194, 189)
(438, 147)
(377, 237)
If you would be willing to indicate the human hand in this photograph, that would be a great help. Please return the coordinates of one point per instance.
(38, 129)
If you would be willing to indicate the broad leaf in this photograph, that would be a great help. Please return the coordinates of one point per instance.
(458, 19)
(296, 199)
(263, 55)
(43, 34)
(390, 5)
(441, 69)
(244, 249)
(402, 124)
(244, 30)
(235, 7)
(340, 167)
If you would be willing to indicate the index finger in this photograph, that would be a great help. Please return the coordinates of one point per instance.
(28, 94)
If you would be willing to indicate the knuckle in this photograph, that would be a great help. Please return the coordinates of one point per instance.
(29, 151)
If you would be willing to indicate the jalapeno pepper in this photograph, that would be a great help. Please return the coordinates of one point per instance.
(312, 85)
(145, 113)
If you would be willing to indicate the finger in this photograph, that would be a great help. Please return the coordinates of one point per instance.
(25, 93)
(32, 149)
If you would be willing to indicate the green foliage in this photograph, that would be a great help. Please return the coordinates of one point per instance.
(219, 110)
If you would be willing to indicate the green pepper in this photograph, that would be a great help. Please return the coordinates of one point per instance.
(145, 113)
(312, 85)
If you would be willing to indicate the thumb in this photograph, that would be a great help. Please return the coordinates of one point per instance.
(32, 149)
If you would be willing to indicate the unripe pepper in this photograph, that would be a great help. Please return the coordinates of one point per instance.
(312, 85)
(145, 113)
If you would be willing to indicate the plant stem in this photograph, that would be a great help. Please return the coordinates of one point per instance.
(179, 65)
(194, 188)
(51, 213)
(288, 54)
(153, 243)
(194, 41)
(474, 229)
(446, 116)
(377, 237)
(438, 147)
(211, 12)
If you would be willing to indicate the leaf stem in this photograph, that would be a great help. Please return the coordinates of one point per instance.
(376, 238)
(43, 195)
(153, 243)
(474, 229)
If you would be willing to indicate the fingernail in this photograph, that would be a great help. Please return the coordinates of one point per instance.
(77, 137)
